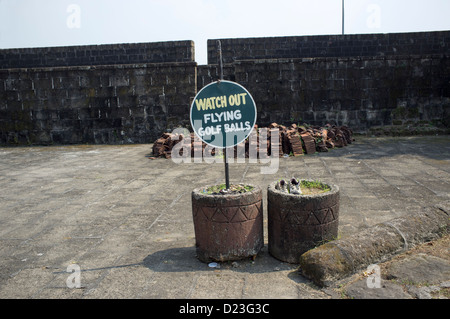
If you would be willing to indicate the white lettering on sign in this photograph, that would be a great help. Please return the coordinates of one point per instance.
(209, 130)
(228, 128)
(222, 116)
(237, 127)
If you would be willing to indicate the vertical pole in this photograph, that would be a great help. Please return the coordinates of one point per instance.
(343, 17)
(227, 176)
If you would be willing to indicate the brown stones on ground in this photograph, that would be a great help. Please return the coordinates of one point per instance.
(293, 140)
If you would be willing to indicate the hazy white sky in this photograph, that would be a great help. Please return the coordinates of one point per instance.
(38, 23)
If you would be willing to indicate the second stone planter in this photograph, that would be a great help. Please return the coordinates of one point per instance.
(298, 223)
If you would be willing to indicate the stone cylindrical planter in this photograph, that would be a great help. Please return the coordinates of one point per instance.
(227, 227)
(298, 223)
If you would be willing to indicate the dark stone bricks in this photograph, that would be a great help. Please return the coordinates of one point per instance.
(352, 45)
(100, 104)
(156, 52)
(128, 93)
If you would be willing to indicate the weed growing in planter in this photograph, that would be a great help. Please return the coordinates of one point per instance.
(220, 189)
(302, 187)
(314, 184)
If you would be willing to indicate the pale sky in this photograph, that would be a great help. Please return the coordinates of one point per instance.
(41, 23)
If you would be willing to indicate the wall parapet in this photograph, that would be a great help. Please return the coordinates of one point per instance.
(330, 46)
(107, 54)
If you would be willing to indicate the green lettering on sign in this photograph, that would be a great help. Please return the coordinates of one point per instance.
(223, 114)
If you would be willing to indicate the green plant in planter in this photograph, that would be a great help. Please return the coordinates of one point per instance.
(220, 189)
(315, 184)
(304, 187)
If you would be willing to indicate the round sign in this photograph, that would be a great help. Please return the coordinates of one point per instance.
(223, 114)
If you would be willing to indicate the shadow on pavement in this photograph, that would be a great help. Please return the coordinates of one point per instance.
(184, 259)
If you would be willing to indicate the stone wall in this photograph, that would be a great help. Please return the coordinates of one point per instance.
(99, 94)
(131, 103)
(359, 92)
(360, 80)
(119, 93)
(157, 52)
(351, 45)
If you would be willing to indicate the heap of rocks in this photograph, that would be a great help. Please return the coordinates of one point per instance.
(295, 140)
(162, 147)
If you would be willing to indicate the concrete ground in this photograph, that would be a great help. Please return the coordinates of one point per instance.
(124, 221)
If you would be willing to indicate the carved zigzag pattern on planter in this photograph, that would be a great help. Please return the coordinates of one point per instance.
(235, 214)
(318, 217)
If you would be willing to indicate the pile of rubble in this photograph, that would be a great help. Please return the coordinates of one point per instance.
(294, 140)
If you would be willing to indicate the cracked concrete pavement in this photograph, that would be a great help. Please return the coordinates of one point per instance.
(126, 219)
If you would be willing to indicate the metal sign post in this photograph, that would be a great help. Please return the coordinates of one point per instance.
(227, 175)
(223, 114)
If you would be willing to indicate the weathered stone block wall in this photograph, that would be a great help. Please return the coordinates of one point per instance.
(356, 80)
(130, 53)
(97, 94)
(360, 92)
(99, 104)
(118, 93)
(210, 73)
(350, 45)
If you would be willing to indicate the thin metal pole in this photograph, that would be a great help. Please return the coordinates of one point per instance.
(227, 175)
(343, 17)
(219, 48)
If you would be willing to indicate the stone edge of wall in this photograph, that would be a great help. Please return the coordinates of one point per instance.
(103, 54)
(339, 259)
